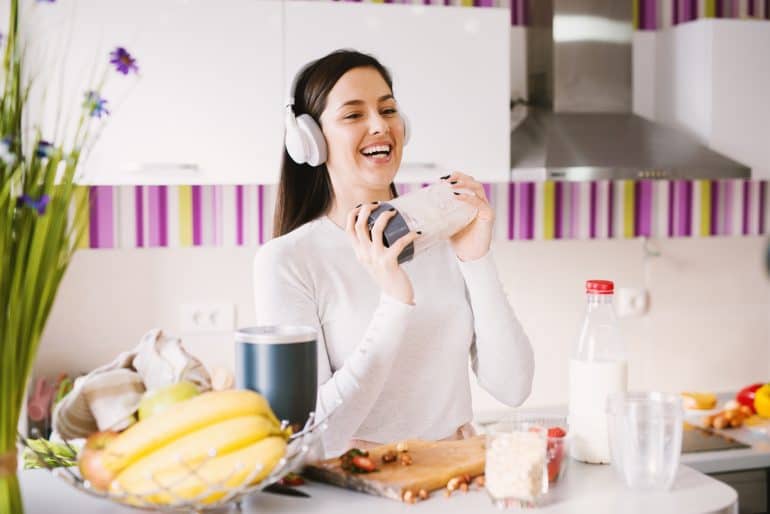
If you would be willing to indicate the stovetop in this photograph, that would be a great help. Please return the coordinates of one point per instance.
(696, 439)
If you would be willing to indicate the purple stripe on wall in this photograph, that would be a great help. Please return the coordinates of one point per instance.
(158, 215)
(488, 192)
(643, 208)
(101, 233)
(675, 13)
(752, 10)
(688, 187)
(648, 14)
(260, 213)
(239, 215)
(483, 3)
(511, 209)
(197, 207)
(767, 9)
(216, 192)
(762, 199)
(592, 212)
(671, 191)
(715, 218)
(746, 206)
(139, 206)
(719, 11)
(558, 198)
(610, 208)
(93, 221)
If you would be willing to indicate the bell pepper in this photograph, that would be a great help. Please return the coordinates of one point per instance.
(762, 401)
(746, 396)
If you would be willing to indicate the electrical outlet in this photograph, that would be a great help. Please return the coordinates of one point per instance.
(206, 317)
(631, 302)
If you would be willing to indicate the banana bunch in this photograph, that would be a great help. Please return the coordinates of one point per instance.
(197, 450)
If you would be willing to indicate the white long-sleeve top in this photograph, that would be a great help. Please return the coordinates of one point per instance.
(390, 370)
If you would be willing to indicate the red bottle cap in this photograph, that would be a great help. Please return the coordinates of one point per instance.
(600, 286)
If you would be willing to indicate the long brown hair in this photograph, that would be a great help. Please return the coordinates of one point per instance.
(305, 192)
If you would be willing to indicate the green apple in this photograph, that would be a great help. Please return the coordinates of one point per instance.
(158, 400)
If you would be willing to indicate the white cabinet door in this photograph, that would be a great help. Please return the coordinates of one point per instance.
(450, 67)
(207, 106)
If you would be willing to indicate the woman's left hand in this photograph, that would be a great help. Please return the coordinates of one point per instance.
(473, 241)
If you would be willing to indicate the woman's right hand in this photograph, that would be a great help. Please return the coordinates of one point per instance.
(380, 261)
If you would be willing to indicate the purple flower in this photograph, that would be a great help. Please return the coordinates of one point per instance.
(95, 104)
(44, 149)
(39, 205)
(123, 61)
(6, 155)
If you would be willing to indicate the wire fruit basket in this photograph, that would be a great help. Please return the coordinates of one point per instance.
(215, 495)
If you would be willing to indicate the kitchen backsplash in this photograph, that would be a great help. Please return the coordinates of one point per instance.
(656, 14)
(241, 215)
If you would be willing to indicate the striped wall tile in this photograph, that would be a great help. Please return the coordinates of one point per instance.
(242, 215)
(655, 14)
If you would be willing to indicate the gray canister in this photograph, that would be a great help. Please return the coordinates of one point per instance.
(281, 363)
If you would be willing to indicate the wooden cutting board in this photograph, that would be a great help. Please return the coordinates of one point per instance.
(433, 464)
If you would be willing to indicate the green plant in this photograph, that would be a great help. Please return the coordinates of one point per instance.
(43, 213)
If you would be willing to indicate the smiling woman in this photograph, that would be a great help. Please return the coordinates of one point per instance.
(394, 340)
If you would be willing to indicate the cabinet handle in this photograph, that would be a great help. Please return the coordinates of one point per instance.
(424, 165)
(156, 167)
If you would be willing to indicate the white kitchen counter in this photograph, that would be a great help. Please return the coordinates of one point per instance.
(585, 488)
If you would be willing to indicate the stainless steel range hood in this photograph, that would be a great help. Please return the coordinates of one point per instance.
(577, 122)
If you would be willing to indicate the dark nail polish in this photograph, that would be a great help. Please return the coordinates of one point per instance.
(453, 182)
(455, 192)
(445, 177)
(359, 205)
(419, 232)
(391, 209)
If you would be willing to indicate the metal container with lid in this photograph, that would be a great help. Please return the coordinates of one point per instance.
(281, 363)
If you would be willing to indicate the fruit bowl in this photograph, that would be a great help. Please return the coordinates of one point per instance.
(216, 494)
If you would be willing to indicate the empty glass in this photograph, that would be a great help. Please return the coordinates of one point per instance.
(645, 431)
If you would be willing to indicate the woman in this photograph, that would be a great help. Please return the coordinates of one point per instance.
(394, 340)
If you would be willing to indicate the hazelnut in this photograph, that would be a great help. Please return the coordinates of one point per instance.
(406, 460)
(409, 496)
(423, 494)
(479, 480)
(402, 447)
(453, 483)
(389, 456)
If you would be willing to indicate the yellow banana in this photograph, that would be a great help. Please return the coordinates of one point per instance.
(211, 480)
(182, 418)
(192, 449)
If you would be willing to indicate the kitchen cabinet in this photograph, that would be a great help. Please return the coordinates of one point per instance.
(710, 78)
(751, 486)
(206, 106)
(450, 67)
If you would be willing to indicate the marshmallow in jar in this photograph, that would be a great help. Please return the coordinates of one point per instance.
(434, 210)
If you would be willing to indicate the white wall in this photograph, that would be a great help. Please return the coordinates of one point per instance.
(708, 328)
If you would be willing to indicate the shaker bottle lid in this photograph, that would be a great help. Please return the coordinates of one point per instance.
(600, 286)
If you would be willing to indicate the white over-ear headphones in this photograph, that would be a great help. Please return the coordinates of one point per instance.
(304, 140)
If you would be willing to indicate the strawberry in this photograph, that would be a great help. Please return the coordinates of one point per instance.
(556, 432)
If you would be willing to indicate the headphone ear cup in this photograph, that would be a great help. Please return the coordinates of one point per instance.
(407, 130)
(315, 144)
(293, 139)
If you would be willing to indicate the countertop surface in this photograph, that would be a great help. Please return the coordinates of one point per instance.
(584, 488)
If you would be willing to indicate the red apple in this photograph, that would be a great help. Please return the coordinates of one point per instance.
(91, 460)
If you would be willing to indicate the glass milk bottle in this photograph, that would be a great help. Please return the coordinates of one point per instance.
(434, 210)
(598, 367)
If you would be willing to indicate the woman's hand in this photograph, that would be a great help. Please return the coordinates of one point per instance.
(381, 262)
(473, 241)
